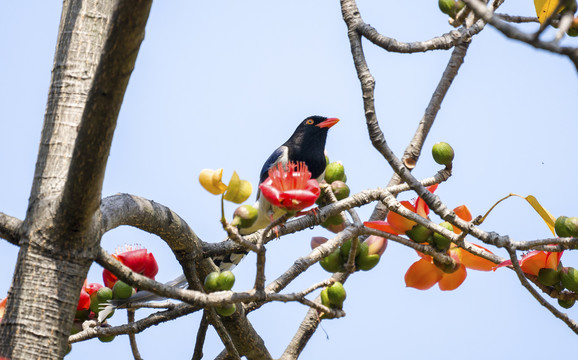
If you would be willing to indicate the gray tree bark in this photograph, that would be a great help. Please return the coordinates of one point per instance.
(59, 237)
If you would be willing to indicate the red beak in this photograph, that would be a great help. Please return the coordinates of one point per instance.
(328, 123)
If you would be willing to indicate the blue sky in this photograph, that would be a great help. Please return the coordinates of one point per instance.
(223, 83)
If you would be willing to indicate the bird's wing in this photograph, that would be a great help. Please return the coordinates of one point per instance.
(279, 155)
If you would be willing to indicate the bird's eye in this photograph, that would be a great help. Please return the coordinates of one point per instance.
(309, 121)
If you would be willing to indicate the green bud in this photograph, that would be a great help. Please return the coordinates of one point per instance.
(572, 226)
(441, 242)
(365, 261)
(333, 220)
(212, 282)
(560, 227)
(346, 248)
(226, 310)
(569, 277)
(443, 153)
(332, 263)
(334, 171)
(245, 216)
(226, 280)
(566, 304)
(325, 298)
(98, 297)
(336, 294)
(340, 189)
(549, 277)
(121, 290)
(419, 233)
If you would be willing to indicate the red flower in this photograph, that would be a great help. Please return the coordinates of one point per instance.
(84, 300)
(532, 262)
(138, 260)
(290, 188)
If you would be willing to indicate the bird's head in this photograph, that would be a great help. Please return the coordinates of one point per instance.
(314, 128)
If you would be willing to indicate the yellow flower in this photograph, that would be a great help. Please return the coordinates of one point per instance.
(238, 190)
(211, 181)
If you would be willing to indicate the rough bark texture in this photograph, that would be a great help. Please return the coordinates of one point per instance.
(59, 237)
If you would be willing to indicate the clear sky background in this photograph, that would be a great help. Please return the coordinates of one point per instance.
(223, 83)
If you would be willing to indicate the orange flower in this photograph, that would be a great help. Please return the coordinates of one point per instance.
(532, 262)
(397, 224)
(423, 274)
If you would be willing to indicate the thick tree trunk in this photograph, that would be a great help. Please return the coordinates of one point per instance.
(97, 46)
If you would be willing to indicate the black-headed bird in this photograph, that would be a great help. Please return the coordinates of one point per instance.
(306, 145)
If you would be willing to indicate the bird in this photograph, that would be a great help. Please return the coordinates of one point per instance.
(307, 145)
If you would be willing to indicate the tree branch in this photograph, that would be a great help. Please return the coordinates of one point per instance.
(10, 228)
(513, 33)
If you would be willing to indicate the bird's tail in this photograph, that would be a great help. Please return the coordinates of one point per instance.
(229, 261)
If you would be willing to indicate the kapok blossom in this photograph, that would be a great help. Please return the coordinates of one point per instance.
(138, 260)
(423, 274)
(291, 187)
(532, 262)
(399, 225)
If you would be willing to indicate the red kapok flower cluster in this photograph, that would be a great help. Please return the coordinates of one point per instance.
(291, 187)
(138, 260)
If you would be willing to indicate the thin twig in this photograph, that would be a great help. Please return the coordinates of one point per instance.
(201, 334)
(132, 337)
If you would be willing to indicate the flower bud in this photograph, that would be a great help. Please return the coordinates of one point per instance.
(377, 245)
(99, 297)
(566, 304)
(441, 242)
(238, 190)
(335, 171)
(106, 338)
(336, 294)
(340, 189)
(560, 227)
(333, 262)
(419, 233)
(442, 153)
(549, 277)
(333, 220)
(226, 310)
(211, 181)
(211, 282)
(364, 260)
(122, 290)
(569, 277)
(226, 280)
(346, 248)
(245, 216)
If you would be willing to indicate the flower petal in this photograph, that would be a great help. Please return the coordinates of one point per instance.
(422, 275)
(454, 280)
(463, 213)
(382, 226)
(421, 207)
(533, 261)
(211, 181)
(472, 261)
(400, 223)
